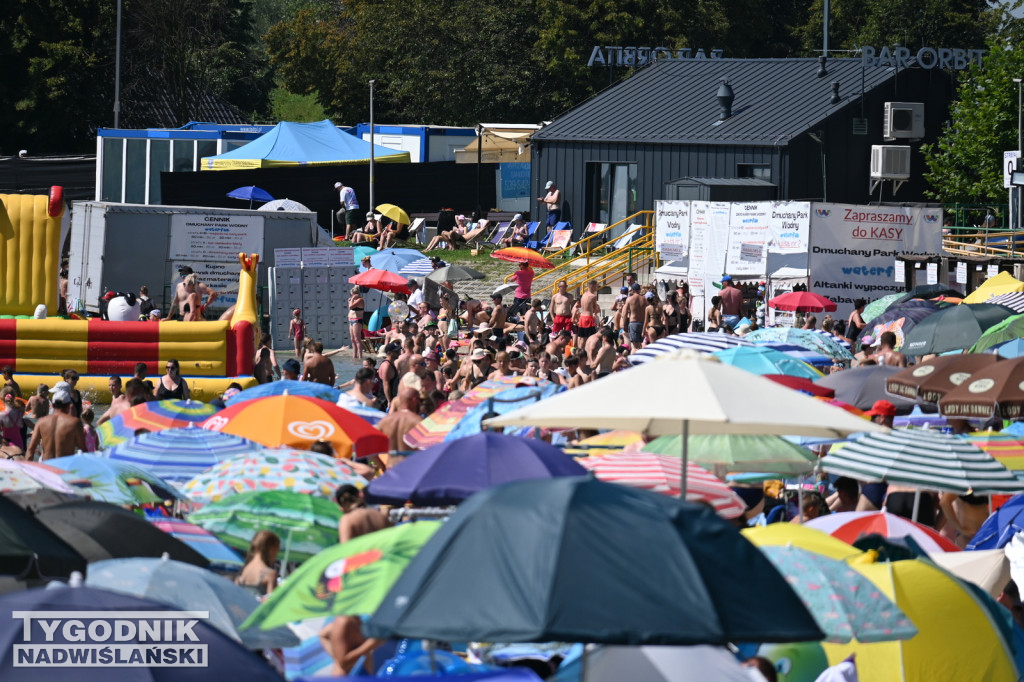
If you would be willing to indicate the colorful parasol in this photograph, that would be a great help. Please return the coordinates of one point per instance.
(521, 254)
(382, 280)
(23, 477)
(299, 471)
(848, 526)
(296, 421)
(802, 302)
(1007, 449)
(152, 416)
(220, 556)
(109, 480)
(181, 453)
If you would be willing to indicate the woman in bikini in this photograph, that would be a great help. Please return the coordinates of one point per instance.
(265, 363)
(355, 321)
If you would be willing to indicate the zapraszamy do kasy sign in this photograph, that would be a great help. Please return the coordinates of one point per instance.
(853, 249)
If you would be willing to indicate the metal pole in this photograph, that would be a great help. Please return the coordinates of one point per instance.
(372, 204)
(479, 159)
(824, 38)
(1016, 189)
(685, 453)
(117, 71)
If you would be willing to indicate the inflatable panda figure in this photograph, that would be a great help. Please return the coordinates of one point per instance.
(123, 308)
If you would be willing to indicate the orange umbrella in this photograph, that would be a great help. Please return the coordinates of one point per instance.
(521, 254)
(382, 280)
(298, 421)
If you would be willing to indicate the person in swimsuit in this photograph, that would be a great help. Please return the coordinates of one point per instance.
(259, 575)
(356, 306)
(265, 364)
(590, 311)
(172, 386)
(561, 309)
(297, 331)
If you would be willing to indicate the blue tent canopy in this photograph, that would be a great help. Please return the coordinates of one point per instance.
(302, 144)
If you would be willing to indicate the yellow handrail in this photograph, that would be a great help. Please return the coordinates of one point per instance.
(606, 269)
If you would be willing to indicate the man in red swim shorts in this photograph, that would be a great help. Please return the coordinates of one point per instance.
(561, 309)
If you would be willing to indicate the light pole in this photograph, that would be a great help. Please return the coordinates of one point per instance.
(1016, 190)
(479, 158)
(371, 146)
(117, 70)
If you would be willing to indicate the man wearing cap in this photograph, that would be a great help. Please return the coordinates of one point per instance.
(732, 302)
(58, 434)
(882, 412)
(290, 369)
(349, 211)
(553, 201)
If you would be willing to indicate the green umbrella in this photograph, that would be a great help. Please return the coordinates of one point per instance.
(770, 454)
(345, 580)
(1009, 329)
(954, 328)
(306, 524)
(876, 308)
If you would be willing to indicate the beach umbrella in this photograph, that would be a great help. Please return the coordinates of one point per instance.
(737, 453)
(608, 663)
(1001, 526)
(928, 291)
(500, 403)
(285, 205)
(802, 302)
(298, 471)
(521, 254)
(382, 280)
(22, 477)
(344, 580)
(955, 328)
(251, 193)
(661, 474)
(802, 536)
(190, 589)
(702, 342)
(29, 547)
(924, 459)
(809, 339)
(1013, 300)
(37, 499)
(448, 473)
(899, 320)
(435, 426)
(360, 252)
(296, 421)
(179, 454)
(306, 524)
(801, 384)
(850, 526)
(1009, 349)
(961, 632)
(455, 273)
(154, 415)
(845, 604)
(879, 306)
(394, 213)
(220, 556)
(113, 481)
(493, 573)
(844, 406)
(761, 360)
(935, 377)
(1007, 449)
(811, 357)
(222, 658)
(692, 395)
(1010, 329)
(99, 531)
(1002, 283)
(996, 390)
(371, 414)
(615, 440)
(394, 260)
(419, 268)
(310, 389)
(863, 386)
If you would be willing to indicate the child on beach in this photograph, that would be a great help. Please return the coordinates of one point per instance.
(39, 404)
(92, 439)
(297, 331)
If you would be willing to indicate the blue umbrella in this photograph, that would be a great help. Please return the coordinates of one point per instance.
(373, 416)
(450, 472)
(763, 360)
(190, 588)
(307, 388)
(500, 403)
(251, 193)
(1001, 526)
(180, 454)
(1014, 348)
(419, 268)
(393, 260)
(800, 353)
(115, 482)
(223, 659)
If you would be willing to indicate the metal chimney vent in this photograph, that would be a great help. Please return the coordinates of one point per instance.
(725, 97)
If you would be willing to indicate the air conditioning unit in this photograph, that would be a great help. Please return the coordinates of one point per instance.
(903, 121)
(890, 162)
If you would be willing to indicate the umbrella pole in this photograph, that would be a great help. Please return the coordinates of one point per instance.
(287, 546)
(917, 504)
(685, 453)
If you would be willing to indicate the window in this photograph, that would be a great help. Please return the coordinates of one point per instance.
(205, 148)
(113, 156)
(184, 155)
(159, 161)
(135, 174)
(754, 170)
(611, 189)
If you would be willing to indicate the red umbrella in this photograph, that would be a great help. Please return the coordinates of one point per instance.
(802, 302)
(801, 384)
(521, 254)
(382, 280)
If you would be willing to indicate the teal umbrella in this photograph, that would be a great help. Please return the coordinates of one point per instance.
(735, 453)
(114, 481)
(811, 339)
(876, 308)
(761, 360)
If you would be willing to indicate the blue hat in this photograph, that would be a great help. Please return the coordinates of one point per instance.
(726, 278)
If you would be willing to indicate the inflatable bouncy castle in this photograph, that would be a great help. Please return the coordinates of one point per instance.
(211, 354)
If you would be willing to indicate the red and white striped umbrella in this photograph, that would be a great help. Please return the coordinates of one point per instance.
(661, 474)
(848, 526)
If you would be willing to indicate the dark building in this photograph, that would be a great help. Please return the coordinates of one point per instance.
(735, 129)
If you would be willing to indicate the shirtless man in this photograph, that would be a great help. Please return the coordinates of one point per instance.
(561, 309)
(318, 368)
(965, 514)
(502, 366)
(59, 434)
(39, 404)
(635, 309)
(118, 400)
(498, 315)
(556, 347)
(887, 354)
(533, 325)
(604, 360)
(401, 421)
(362, 389)
(590, 312)
(181, 294)
(573, 376)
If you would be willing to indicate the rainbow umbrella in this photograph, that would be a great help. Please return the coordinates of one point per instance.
(155, 415)
(1007, 449)
(181, 453)
(112, 481)
(299, 471)
(22, 477)
(220, 556)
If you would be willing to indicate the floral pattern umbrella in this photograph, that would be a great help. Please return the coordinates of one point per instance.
(298, 471)
(152, 416)
(825, 344)
(24, 477)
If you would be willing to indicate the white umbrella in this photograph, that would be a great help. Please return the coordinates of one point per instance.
(608, 663)
(285, 205)
(685, 393)
(705, 342)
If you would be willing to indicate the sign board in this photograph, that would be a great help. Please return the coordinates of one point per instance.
(515, 180)
(948, 58)
(672, 226)
(221, 277)
(961, 272)
(789, 226)
(1009, 165)
(287, 258)
(991, 271)
(899, 274)
(671, 252)
(317, 257)
(853, 249)
(340, 256)
(748, 235)
(932, 273)
(214, 237)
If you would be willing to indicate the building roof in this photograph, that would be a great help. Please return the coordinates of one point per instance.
(674, 102)
(726, 182)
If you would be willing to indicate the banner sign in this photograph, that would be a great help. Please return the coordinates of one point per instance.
(214, 237)
(748, 233)
(789, 226)
(672, 226)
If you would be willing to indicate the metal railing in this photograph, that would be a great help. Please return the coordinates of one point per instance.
(980, 241)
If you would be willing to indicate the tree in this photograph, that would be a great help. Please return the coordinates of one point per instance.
(965, 165)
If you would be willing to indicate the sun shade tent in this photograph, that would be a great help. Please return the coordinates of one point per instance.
(303, 144)
(500, 144)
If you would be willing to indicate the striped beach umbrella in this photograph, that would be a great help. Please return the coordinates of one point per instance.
(220, 556)
(312, 389)
(182, 453)
(419, 268)
(811, 357)
(848, 526)
(1008, 449)
(810, 339)
(1013, 300)
(925, 459)
(155, 415)
(702, 342)
(662, 474)
(22, 477)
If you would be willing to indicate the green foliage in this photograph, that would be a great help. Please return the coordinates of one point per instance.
(965, 165)
(287, 106)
